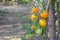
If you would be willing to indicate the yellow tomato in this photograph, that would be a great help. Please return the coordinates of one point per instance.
(33, 27)
(33, 17)
(44, 14)
(35, 10)
(42, 22)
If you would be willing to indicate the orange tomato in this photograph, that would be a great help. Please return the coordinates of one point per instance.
(33, 17)
(42, 22)
(35, 10)
(44, 14)
(33, 27)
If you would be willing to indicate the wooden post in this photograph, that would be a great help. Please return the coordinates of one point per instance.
(51, 22)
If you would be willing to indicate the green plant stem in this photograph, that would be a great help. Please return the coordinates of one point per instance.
(48, 4)
(58, 15)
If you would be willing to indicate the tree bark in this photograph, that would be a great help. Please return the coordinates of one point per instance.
(51, 22)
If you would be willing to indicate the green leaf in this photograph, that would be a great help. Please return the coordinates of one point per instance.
(34, 22)
(38, 26)
(41, 4)
(23, 38)
(26, 26)
(44, 31)
(30, 35)
(29, 31)
(58, 0)
(1, 14)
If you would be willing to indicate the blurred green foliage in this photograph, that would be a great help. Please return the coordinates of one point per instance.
(1, 13)
(26, 26)
(58, 0)
(23, 38)
(26, 1)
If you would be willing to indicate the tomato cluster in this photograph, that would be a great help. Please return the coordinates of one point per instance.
(40, 17)
(43, 16)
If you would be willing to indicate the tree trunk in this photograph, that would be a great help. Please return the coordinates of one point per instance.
(51, 22)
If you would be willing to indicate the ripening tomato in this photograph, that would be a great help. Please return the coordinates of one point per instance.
(35, 10)
(44, 14)
(42, 22)
(33, 17)
(33, 27)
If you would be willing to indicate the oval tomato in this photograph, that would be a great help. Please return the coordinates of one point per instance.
(42, 22)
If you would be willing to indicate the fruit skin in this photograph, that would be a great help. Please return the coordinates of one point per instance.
(39, 31)
(42, 22)
(35, 10)
(33, 27)
(33, 17)
(44, 14)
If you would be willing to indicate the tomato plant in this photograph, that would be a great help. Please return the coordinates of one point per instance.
(38, 18)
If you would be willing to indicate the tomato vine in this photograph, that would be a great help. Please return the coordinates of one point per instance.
(39, 19)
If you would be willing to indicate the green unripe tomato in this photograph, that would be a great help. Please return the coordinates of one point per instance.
(38, 31)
